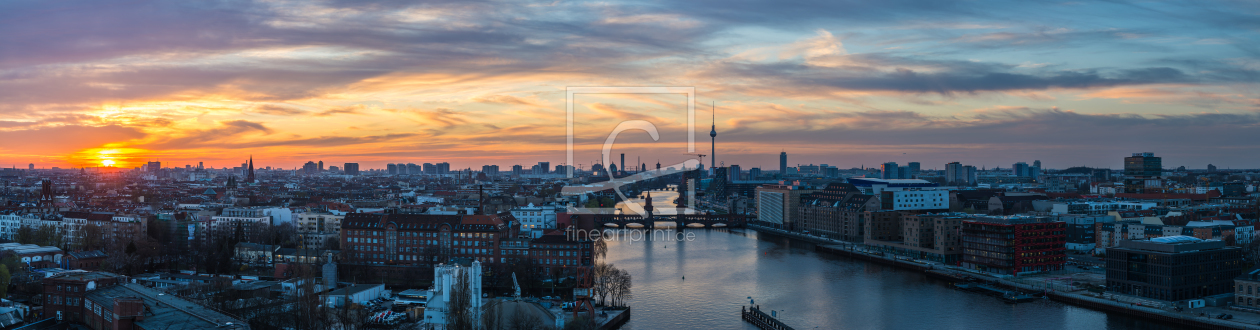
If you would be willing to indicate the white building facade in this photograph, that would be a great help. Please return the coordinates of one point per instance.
(536, 219)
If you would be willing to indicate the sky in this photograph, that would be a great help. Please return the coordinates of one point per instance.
(844, 83)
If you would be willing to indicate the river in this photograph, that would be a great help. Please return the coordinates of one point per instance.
(811, 290)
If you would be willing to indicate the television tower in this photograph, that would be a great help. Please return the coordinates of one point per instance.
(713, 137)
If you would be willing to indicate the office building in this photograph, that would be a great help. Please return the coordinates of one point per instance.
(351, 168)
(1014, 245)
(890, 171)
(914, 200)
(735, 173)
(1173, 268)
(914, 168)
(754, 173)
(782, 163)
(954, 174)
(836, 212)
(1019, 169)
(1142, 173)
(776, 204)
(935, 237)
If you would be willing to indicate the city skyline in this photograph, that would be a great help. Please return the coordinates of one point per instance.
(843, 84)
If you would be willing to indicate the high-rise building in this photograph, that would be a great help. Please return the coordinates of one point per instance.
(735, 173)
(352, 168)
(622, 164)
(903, 172)
(1142, 172)
(1037, 163)
(954, 173)
(890, 171)
(391, 169)
(914, 168)
(490, 170)
(321, 166)
(200, 165)
(971, 174)
(443, 168)
(517, 170)
(1210, 168)
(544, 167)
(430, 169)
(782, 163)
(1019, 169)
(310, 168)
(754, 173)
(32, 166)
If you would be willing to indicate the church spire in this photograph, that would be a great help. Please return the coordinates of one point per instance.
(249, 176)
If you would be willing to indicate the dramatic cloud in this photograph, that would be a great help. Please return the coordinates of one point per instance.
(839, 82)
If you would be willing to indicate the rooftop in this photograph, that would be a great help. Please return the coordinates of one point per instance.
(355, 289)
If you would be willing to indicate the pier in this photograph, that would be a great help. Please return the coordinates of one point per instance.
(760, 319)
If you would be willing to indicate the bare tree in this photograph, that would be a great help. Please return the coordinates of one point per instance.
(492, 316)
(460, 313)
(522, 320)
(602, 279)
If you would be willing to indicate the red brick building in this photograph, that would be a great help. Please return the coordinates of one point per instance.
(104, 301)
(1014, 245)
(382, 239)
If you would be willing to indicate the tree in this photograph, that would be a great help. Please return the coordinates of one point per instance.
(5, 278)
(461, 314)
(619, 288)
(492, 316)
(332, 243)
(92, 237)
(522, 320)
(601, 280)
(600, 247)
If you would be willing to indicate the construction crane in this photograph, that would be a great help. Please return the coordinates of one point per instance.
(697, 155)
(517, 286)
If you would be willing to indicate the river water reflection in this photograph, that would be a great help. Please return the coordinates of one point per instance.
(812, 290)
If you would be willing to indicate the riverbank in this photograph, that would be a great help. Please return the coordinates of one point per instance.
(1065, 292)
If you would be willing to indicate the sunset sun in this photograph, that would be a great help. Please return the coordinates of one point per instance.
(108, 163)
